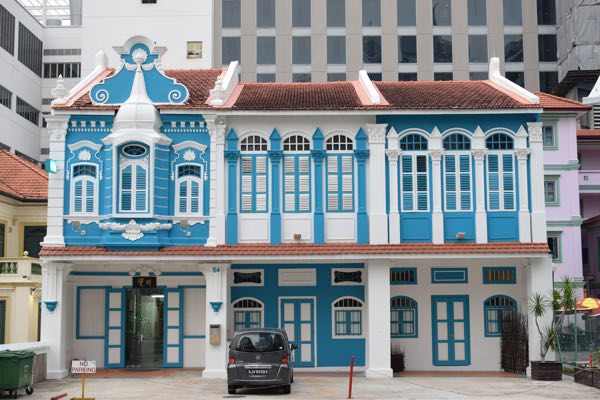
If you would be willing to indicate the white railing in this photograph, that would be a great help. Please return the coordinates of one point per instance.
(20, 267)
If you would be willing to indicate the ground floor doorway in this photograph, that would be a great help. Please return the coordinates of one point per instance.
(144, 327)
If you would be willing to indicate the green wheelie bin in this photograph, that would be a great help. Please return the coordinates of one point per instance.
(16, 371)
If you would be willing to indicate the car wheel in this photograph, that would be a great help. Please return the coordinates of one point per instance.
(287, 389)
(292, 378)
(231, 390)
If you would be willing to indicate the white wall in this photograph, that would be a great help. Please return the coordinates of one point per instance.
(168, 23)
(16, 131)
(485, 351)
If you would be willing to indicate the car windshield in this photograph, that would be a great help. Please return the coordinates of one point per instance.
(259, 342)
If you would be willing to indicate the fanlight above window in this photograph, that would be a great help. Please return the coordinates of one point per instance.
(339, 143)
(413, 141)
(296, 143)
(499, 141)
(253, 143)
(347, 302)
(457, 141)
(134, 150)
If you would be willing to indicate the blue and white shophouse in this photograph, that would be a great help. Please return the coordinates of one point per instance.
(352, 214)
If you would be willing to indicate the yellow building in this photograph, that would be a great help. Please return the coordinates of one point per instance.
(23, 201)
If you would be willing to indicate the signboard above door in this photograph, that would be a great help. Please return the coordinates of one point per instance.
(142, 282)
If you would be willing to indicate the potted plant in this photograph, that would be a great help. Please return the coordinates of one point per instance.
(562, 300)
(397, 354)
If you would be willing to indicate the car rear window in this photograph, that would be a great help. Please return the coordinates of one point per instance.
(258, 342)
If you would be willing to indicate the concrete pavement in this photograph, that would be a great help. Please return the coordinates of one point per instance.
(184, 385)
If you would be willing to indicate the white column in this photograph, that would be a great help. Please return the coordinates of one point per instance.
(437, 216)
(376, 180)
(57, 130)
(536, 162)
(539, 280)
(217, 301)
(524, 218)
(55, 318)
(216, 128)
(480, 213)
(378, 330)
(393, 152)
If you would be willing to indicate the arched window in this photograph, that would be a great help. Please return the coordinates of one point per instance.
(253, 174)
(340, 174)
(296, 174)
(133, 178)
(403, 317)
(457, 173)
(189, 185)
(84, 195)
(499, 141)
(498, 309)
(347, 317)
(500, 173)
(413, 173)
(247, 314)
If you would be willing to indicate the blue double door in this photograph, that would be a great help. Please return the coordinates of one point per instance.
(450, 330)
(298, 319)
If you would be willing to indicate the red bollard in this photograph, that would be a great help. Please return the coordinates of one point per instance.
(58, 396)
(351, 374)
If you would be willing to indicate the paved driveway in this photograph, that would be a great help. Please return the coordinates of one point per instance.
(185, 385)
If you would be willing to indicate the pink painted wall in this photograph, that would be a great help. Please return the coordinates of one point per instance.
(566, 134)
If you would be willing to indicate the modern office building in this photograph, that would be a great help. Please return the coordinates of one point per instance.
(307, 40)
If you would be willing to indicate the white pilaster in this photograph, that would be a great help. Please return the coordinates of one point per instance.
(55, 324)
(479, 151)
(437, 216)
(377, 216)
(536, 162)
(216, 128)
(217, 300)
(57, 130)
(539, 280)
(393, 152)
(524, 219)
(379, 331)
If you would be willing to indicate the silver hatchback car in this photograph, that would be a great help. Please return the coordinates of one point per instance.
(260, 358)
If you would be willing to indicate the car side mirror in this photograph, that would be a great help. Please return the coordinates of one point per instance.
(293, 346)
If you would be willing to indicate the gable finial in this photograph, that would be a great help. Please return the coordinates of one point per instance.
(60, 92)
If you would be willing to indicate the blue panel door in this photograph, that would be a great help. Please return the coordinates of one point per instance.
(450, 330)
(298, 320)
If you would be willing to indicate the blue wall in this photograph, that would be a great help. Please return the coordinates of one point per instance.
(331, 352)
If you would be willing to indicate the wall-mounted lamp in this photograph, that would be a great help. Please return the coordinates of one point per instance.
(297, 236)
(460, 235)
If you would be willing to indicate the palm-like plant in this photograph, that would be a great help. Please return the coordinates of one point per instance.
(563, 300)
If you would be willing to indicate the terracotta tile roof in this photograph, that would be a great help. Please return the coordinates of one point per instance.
(448, 95)
(21, 179)
(299, 96)
(340, 95)
(588, 134)
(293, 249)
(198, 82)
(552, 102)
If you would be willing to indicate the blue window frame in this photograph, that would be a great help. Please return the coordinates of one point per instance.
(404, 317)
(501, 182)
(449, 275)
(499, 275)
(247, 314)
(498, 309)
(189, 189)
(403, 276)
(348, 317)
(134, 180)
(84, 184)
(296, 174)
(414, 173)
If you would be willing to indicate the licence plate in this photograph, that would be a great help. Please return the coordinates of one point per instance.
(258, 372)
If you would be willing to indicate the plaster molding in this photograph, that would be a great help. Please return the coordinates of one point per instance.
(132, 230)
(436, 155)
(479, 154)
(392, 155)
(535, 132)
(522, 154)
(376, 133)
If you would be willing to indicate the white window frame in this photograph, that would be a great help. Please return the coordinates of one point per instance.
(188, 179)
(253, 151)
(296, 154)
(500, 154)
(143, 162)
(337, 155)
(261, 309)
(414, 175)
(458, 192)
(95, 194)
(362, 317)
